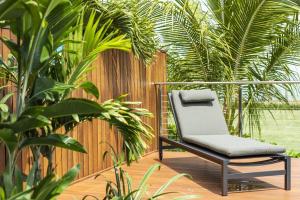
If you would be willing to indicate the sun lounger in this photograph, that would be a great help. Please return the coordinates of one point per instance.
(202, 130)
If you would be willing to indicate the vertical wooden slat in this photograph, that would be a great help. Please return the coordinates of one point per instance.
(58, 161)
(86, 144)
(98, 122)
(94, 128)
(101, 125)
(75, 154)
(81, 156)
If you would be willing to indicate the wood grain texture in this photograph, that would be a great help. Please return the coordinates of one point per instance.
(114, 73)
(205, 180)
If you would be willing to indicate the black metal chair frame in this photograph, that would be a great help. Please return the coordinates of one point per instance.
(226, 161)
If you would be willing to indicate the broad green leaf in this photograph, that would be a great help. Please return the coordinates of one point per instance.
(7, 178)
(18, 179)
(28, 123)
(46, 88)
(13, 47)
(7, 8)
(6, 97)
(31, 176)
(22, 195)
(33, 111)
(67, 179)
(69, 107)
(90, 88)
(66, 108)
(3, 107)
(44, 188)
(9, 138)
(57, 140)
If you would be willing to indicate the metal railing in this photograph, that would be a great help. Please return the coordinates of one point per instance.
(161, 88)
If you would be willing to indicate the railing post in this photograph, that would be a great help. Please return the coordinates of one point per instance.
(159, 118)
(287, 176)
(159, 108)
(240, 110)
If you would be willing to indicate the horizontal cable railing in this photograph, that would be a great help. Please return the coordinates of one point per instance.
(228, 83)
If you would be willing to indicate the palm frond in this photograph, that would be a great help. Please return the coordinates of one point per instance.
(250, 25)
(234, 40)
(133, 18)
(91, 42)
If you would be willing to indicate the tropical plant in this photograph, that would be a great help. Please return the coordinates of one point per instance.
(122, 189)
(234, 40)
(134, 18)
(56, 43)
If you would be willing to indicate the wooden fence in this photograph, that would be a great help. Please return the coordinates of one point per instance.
(114, 73)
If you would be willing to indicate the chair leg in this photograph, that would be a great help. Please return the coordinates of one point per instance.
(160, 149)
(287, 176)
(224, 179)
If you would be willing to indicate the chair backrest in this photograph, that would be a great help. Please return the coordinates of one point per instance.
(201, 118)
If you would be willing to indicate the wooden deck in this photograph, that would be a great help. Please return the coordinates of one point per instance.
(205, 180)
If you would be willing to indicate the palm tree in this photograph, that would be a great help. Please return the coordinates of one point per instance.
(230, 40)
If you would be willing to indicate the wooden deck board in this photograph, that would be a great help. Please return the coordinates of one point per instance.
(205, 182)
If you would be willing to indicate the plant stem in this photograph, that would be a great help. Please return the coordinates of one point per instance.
(20, 63)
(50, 161)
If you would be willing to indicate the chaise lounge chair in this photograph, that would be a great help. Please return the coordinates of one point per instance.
(203, 131)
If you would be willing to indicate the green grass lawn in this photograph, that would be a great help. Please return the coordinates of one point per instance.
(285, 130)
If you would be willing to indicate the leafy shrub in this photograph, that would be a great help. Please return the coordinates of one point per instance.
(293, 154)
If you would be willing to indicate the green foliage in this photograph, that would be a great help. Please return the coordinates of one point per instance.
(90, 88)
(87, 41)
(172, 131)
(57, 140)
(55, 46)
(122, 189)
(261, 42)
(49, 188)
(127, 120)
(293, 154)
(136, 19)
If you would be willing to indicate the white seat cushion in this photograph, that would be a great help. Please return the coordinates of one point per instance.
(233, 146)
